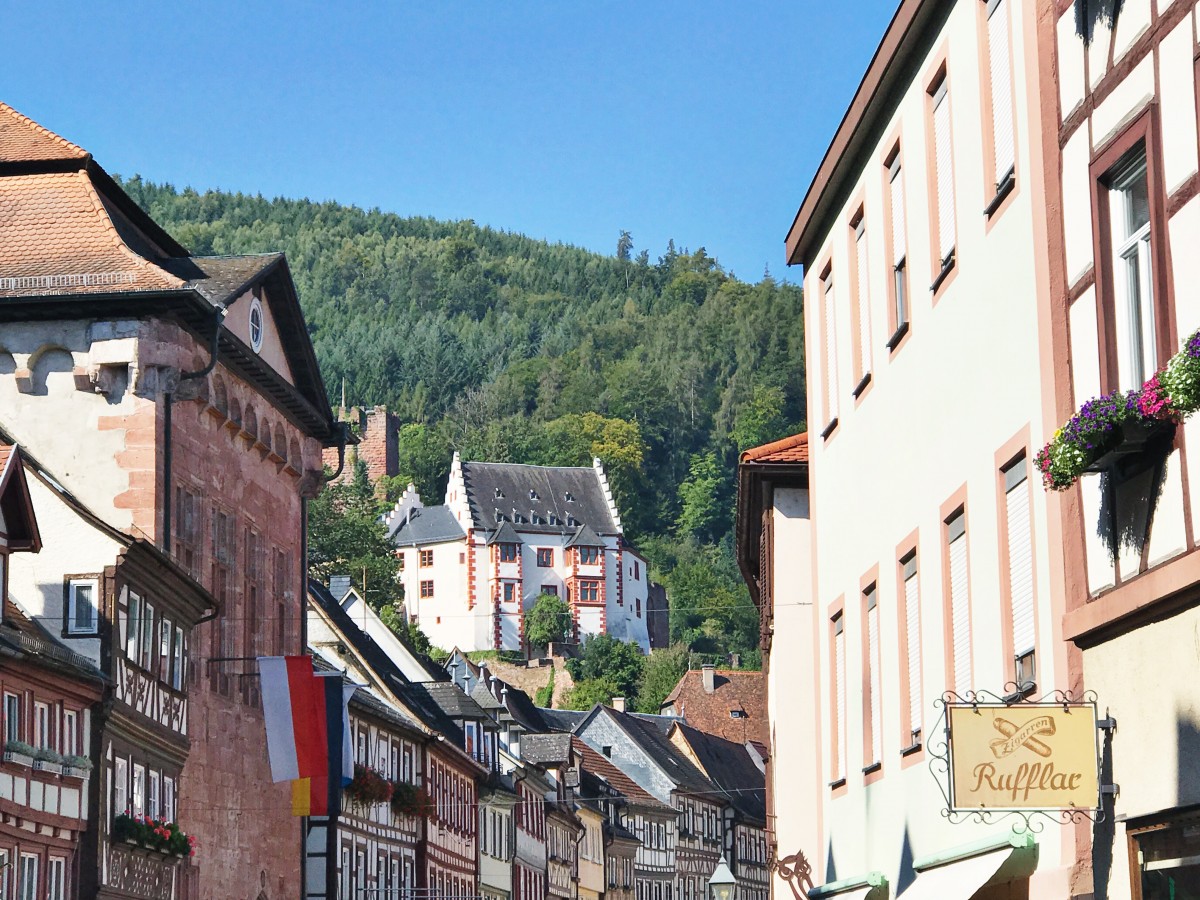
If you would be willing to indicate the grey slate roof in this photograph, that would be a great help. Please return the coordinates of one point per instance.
(730, 766)
(453, 702)
(677, 766)
(551, 485)
(505, 534)
(585, 537)
(426, 525)
(562, 719)
(220, 279)
(484, 698)
(546, 749)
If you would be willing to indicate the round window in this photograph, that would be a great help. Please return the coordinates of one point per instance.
(256, 325)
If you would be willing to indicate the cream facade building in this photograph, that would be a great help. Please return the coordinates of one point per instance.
(505, 535)
(1004, 226)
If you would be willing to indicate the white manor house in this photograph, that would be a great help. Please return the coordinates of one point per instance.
(506, 534)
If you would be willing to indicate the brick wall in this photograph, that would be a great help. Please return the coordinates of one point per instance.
(378, 442)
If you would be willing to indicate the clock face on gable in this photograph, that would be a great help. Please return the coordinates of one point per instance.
(257, 325)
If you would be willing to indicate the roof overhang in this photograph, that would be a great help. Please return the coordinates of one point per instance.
(755, 481)
(892, 68)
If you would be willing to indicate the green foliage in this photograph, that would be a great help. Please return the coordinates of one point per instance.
(661, 673)
(603, 656)
(511, 349)
(587, 694)
(345, 537)
(545, 694)
(407, 631)
(704, 499)
(548, 621)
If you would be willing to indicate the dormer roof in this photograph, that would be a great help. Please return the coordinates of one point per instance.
(505, 534)
(16, 506)
(584, 537)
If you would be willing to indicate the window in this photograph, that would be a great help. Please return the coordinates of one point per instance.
(83, 594)
(41, 726)
(12, 717)
(426, 589)
(551, 589)
(224, 559)
(863, 288)
(508, 553)
(168, 807)
(898, 313)
(1020, 573)
(4, 869)
(425, 558)
(944, 184)
(1000, 72)
(187, 530)
(254, 594)
(959, 597)
(152, 797)
(139, 789)
(1132, 271)
(257, 325)
(911, 710)
(27, 877)
(177, 664)
(589, 556)
(133, 626)
(70, 733)
(545, 557)
(837, 626)
(872, 687)
(1167, 859)
(589, 592)
(165, 632)
(120, 787)
(146, 639)
(831, 361)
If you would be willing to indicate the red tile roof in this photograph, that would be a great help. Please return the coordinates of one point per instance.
(745, 692)
(57, 237)
(5, 453)
(24, 140)
(792, 449)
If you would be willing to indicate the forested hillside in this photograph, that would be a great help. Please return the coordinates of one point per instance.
(512, 349)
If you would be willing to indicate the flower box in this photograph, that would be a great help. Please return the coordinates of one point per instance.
(76, 772)
(45, 765)
(20, 759)
(1133, 449)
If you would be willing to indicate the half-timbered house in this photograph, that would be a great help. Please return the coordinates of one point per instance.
(49, 694)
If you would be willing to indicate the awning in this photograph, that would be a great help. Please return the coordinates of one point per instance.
(957, 876)
(852, 888)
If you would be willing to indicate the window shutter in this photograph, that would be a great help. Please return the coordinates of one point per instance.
(876, 710)
(839, 652)
(1020, 557)
(912, 627)
(945, 174)
(899, 247)
(831, 370)
(1002, 100)
(864, 300)
(960, 612)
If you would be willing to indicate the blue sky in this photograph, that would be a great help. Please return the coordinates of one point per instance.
(698, 121)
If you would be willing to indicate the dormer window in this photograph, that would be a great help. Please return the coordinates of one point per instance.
(571, 522)
(518, 518)
(533, 495)
(257, 325)
(535, 518)
(500, 517)
(568, 497)
(553, 518)
(499, 494)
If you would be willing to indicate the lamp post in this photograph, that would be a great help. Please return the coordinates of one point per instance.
(722, 885)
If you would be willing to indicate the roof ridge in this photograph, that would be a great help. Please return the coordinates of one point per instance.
(118, 241)
(74, 151)
(786, 443)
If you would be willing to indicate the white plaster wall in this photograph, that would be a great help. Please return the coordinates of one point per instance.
(70, 546)
(967, 381)
(792, 683)
(444, 618)
(88, 467)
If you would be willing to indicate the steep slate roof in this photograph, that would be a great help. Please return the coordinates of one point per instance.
(505, 534)
(546, 749)
(23, 140)
(731, 768)
(651, 739)
(551, 484)
(221, 278)
(585, 537)
(484, 698)
(562, 719)
(452, 701)
(732, 690)
(596, 763)
(426, 525)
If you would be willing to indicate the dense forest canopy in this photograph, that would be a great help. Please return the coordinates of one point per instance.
(507, 348)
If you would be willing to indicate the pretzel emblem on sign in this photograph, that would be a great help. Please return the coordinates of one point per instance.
(1024, 736)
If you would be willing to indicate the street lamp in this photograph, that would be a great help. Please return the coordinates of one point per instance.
(721, 885)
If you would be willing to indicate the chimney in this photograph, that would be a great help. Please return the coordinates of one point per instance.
(339, 586)
(618, 703)
(710, 678)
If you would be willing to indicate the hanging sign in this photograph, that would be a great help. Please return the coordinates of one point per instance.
(1029, 756)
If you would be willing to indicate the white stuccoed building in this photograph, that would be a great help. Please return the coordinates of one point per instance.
(506, 534)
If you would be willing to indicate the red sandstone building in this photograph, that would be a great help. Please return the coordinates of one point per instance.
(179, 399)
